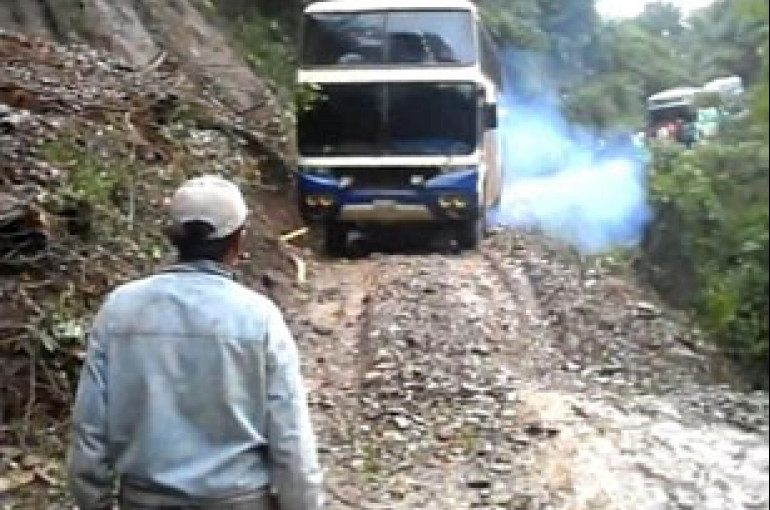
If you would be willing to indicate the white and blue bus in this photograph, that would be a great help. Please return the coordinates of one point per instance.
(403, 128)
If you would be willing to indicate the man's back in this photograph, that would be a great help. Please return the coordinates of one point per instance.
(194, 382)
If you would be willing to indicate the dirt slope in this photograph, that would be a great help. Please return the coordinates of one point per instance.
(140, 32)
(89, 151)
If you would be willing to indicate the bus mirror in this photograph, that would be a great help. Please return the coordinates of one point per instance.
(491, 120)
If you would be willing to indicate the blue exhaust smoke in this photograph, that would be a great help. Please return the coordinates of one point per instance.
(568, 181)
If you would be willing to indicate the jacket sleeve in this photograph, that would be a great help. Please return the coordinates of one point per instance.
(90, 472)
(295, 472)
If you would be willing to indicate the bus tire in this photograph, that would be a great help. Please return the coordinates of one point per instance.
(470, 233)
(336, 239)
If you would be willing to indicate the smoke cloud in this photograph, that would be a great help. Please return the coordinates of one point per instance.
(566, 180)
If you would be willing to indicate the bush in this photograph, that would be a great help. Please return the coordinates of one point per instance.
(720, 192)
(269, 51)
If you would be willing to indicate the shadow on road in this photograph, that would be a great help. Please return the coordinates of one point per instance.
(416, 241)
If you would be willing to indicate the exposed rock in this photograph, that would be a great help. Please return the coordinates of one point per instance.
(138, 33)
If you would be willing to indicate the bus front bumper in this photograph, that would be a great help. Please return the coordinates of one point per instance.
(446, 198)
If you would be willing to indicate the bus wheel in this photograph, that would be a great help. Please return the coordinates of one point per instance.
(470, 233)
(336, 239)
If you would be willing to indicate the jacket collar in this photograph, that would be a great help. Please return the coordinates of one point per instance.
(200, 266)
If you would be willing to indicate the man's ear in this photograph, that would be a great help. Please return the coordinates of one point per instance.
(236, 246)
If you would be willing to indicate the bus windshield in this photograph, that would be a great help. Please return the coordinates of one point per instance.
(672, 114)
(389, 38)
(406, 119)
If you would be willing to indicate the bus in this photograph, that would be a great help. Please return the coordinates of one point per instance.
(690, 114)
(402, 125)
(672, 115)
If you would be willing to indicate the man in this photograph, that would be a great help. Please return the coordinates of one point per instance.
(191, 395)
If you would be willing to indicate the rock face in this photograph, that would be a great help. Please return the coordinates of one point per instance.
(90, 148)
(140, 33)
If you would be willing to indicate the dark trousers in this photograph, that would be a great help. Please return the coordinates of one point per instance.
(141, 500)
(255, 505)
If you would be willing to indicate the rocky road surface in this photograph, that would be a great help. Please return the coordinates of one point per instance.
(520, 378)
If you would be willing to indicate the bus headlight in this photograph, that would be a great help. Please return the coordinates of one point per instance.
(453, 202)
(460, 203)
(324, 201)
(445, 202)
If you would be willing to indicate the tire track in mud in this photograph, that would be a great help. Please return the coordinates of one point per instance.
(431, 424)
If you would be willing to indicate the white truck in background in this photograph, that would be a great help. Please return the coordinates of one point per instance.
(690, 114)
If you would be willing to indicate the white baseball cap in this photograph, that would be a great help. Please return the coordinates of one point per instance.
(213, 200)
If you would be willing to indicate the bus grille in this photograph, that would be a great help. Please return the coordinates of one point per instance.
(379, 177)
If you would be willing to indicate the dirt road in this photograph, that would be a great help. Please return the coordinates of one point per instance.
(517, 378)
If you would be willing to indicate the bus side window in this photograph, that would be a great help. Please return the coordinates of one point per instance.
(332, 39)
(430, 37)
(407, 48)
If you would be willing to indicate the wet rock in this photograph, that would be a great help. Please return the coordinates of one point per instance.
(480, 484)
(646, 311)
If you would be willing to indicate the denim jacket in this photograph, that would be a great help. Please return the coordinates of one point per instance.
(192, 386)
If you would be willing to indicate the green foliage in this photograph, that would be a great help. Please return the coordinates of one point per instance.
(630, 61)
(266, 32)
(611, 101)
(305, 96)
(758, 12)
(721, 191)
(285, 12)
(722, 41)
(607, 69)
(662, 19)
(761, 106)
(268, 50)
(515, 24)
(87, 178)
(573, 28)
(63, 328)
(561, 30)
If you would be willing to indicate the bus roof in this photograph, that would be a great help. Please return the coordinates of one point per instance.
(329, 6)
(681, 93)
